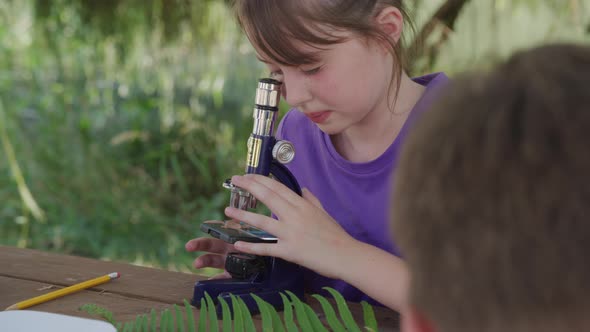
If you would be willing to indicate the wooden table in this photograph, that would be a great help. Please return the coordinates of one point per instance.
(25, 273)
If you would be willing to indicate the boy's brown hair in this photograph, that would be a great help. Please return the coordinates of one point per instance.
(492, 198)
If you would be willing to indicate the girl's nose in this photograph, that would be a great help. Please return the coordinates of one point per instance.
(296, 90)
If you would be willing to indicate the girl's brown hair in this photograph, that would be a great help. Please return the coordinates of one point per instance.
(274, 26)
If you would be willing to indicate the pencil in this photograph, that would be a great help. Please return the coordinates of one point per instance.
(64, 291)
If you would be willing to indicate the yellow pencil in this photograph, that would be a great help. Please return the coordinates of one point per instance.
(64, 291)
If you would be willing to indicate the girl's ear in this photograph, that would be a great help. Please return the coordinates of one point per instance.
(391, 21)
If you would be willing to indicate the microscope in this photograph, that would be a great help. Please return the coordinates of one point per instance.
(266, 277)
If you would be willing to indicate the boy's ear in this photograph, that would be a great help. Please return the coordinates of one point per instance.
(415, 321)
(391, 21)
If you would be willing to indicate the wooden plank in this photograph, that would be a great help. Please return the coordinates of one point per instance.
(125, 309)
(147, 285)
(64, 270)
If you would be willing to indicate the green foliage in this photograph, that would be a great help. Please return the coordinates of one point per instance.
(121, 118)
(487, 31)
(369, 316)
(242, 319)
(119, 141)
(101, 312)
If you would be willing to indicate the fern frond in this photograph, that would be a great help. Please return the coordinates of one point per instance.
(213, 323)
(288, 314)
(248, 322)
(145, 323)
(226, 315)
(265, 314)
(164, 321)
(302, 319)
(238, 321)
(369, 317)
(343, 310)
(331, 316)
(175, 321)
(95, 310)
(190, 319)
(203, 316)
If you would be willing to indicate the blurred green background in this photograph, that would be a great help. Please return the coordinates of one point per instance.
(119, 119)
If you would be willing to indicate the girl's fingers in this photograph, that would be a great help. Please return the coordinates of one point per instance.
(261, 249)
(210, 260)
(273, 198)
(311, 198)
(211, 245)
(274, 185)
(281, 190)
(224, 275)
(265, 223)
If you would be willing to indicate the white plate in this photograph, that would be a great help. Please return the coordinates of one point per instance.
(29, 320)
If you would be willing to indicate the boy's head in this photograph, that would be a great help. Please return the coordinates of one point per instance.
(492, 199)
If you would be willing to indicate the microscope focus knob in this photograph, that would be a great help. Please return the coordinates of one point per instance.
(283, 152)
(243, 266)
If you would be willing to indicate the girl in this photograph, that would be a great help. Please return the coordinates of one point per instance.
(340, 62)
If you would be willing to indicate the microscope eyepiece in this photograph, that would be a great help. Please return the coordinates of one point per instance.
(268, 93)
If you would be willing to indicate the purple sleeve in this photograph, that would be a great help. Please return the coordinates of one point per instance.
(281, 130)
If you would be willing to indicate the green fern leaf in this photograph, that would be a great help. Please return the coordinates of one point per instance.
(331, 316)
(144, 323)
(263, 307)
(163, 321)
(137, 324)
(213, 323)
(226, 315)
(308, 311)
(203, 316)
(288, 314)
(242, 320)
(179, 320)
(95, 310)
(314, 319)
(128, 327)
(277, 323)
(271, 321)
(170, 321)
(153, 320)
(369, 316)
(302, 319)
(238, 321)
(190, 318)
(247, 316)
(345, 314)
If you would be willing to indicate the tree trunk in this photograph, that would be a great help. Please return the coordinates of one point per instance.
(446, 16)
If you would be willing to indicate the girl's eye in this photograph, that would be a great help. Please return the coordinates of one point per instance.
(311, 71)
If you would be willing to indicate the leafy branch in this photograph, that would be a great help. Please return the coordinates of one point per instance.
(237, 317)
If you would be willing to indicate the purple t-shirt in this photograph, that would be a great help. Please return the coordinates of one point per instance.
(354, 194)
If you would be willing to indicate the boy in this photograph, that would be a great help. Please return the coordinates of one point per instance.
(492, 200)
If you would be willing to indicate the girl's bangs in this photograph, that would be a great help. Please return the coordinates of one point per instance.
(279, 30)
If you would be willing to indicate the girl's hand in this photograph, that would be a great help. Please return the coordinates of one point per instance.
(306, 234)
(217, 252)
